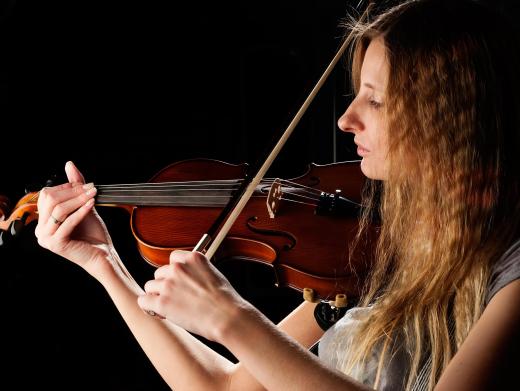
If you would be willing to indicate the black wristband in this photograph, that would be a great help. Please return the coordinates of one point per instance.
(326, 314)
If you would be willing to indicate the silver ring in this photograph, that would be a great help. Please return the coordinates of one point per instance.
(151, 313)
(55, 220)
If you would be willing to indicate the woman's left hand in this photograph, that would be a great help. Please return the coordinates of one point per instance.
(193, 294)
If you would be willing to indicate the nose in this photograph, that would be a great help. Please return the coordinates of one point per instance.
(350, 121)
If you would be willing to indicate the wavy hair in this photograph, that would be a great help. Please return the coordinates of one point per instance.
(450, 205)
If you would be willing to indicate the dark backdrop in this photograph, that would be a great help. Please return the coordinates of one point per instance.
(124, 88)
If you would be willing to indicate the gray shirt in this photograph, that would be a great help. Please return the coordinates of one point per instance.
(332, 348)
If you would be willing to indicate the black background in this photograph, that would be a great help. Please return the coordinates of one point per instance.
(124, 88)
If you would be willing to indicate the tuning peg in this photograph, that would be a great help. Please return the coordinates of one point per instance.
(37, 185)
(4, 238)
(17, 225)
(32, 187)
(50, 182)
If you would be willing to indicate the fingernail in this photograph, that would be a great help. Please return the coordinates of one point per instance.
(88, 186)
(89, 202)
(69, 163)
(91, 191)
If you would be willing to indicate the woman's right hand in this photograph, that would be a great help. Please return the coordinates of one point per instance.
(68, 224)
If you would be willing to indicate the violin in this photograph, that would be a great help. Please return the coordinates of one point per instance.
(300, 227)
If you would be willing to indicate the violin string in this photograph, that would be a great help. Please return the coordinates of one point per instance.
(170, 189)
(142, 193)
(183, 186)
(298, 202)
(206, 184)
(165, 196)
(172, 198)
(126, 196)
(168, 202)
(293, 189)
(302, 196)
(303, 187)
(113, 190)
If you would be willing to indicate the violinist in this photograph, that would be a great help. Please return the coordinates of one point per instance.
(436, 122)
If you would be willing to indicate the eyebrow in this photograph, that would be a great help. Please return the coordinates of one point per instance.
(369, 86)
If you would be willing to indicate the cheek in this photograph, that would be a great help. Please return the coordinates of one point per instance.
(375, 165)
(381, 141)
(382, 158)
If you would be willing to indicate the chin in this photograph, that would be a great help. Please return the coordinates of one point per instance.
(372, 172)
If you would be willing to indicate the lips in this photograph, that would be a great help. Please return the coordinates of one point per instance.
(361, 150)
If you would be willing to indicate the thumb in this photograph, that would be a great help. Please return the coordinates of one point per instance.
(73, 174)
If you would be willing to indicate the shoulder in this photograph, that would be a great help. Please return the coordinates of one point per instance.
(504, 271)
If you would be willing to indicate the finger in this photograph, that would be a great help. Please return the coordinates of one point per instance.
(53, 198)
(52, 189)
(62, 192)
(73, 174)
(171, 270)
(179, 256)
(65, 208)
(71, 222)
(47, 193)
(154, 287)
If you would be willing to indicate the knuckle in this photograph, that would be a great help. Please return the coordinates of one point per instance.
(42, 242)
(163, 302)
(166, 286)
(78, 190)
(178, 255)
(52, 198)
(173, 256)
(59, 211)
(195, 258)
(42, 197)
(148, 286)
(158, 274)
(175, 268)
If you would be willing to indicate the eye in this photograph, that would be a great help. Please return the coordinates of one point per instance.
(374, 103)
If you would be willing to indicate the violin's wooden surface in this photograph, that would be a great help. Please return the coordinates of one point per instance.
(304, 249)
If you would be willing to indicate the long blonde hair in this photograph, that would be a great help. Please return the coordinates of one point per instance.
(450, 206)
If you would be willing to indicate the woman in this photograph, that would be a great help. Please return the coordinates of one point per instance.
(436, 122)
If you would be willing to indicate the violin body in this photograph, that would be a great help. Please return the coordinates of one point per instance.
(305, 248)
(300, 245)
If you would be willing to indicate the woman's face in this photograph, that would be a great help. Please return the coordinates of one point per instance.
(365, 116)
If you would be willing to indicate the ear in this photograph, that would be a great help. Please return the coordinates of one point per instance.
(73, 174)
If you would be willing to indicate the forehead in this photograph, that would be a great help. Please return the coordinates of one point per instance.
(374, 70)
